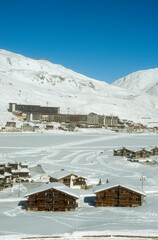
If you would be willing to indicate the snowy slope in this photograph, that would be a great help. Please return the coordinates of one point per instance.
(28, 81)
(146, 81)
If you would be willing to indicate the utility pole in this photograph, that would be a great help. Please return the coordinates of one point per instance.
(19, 189)
(142, 179)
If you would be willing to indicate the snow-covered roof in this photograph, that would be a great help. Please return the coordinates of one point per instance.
(24, 170)
(1, 176)
(2, 163)
(54, 185)
(79, 177)
(6, 174)
(61, 174)
(2, 168)
(24, 164)
(15, 171)
(103, 187)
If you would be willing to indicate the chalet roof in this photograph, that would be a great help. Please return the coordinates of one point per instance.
(54, 185)
(24, 170)
(12, 162)
(103, 187)
(1, 176)
(6, 174)
(143, 150)
(154, 148)
(79, 177)
(2, 164)
(24, 164)
(125, 149)
(2, 168)
(61, 174)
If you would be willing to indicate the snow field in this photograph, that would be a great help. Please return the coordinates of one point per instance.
(89, 154)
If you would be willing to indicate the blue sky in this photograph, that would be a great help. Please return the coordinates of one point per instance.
(103, 39)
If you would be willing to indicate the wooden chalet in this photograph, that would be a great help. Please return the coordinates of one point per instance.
(141, 154)
(123, 152)
(79, 182)
(154, 151)
(2, 165)
(14, 165)
(2, 170)
(8, 180)
(21, 173)
(8, 169)
(24, 165)
(68, 178)
(62, 177)
(117, 196)
(1, 182)
(52, 197)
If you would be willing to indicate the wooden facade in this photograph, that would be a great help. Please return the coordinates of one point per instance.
(65, 180)
(52, 199)
(123, 152)
(79, 182)
(141, 154)
(118, 196)
(154, 151)
(69, 179)
(14, 166)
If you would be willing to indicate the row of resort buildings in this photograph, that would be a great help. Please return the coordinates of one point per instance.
(143, 153)
(60, 193)
(35, 113)
(10, 171)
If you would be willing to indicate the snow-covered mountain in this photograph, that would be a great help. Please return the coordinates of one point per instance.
(146, 81)
(28, 81)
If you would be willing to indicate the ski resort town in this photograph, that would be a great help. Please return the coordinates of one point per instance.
(34, 118)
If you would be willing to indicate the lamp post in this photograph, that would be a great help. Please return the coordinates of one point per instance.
(142, 179)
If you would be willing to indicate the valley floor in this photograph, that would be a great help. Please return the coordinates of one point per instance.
(90, 154)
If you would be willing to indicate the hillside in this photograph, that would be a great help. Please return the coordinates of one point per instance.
(146, 81)
(28, 81)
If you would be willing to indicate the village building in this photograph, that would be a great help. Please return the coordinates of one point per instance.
(27, 127)
(69, 179)
(23, 165)
(52, 197)
(2, 164)
(36, 128)
(49, 127)
(63, 177)
(123, 152)
(1, 182)
(10, 124)
(79, 182)
(2, 170)
(21, 173)
(92, 119)
(36, 109)
(8, 169)
(8, 180)
(117, 196)
(141, 154)
(154, 151)
(13, 165)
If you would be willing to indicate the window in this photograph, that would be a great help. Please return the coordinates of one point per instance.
(115, 197)
(55, 208)
(55, 193)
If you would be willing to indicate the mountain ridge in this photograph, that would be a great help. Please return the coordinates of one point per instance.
(29, 81)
